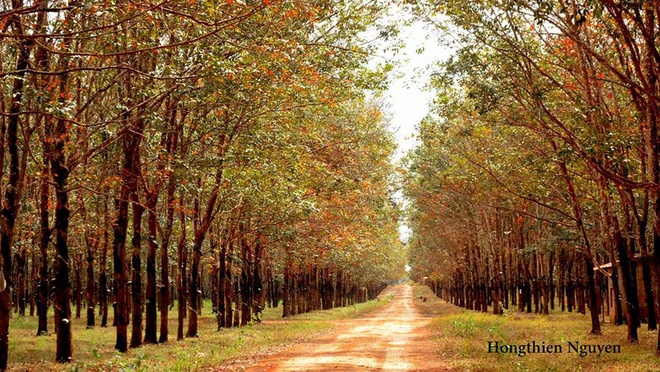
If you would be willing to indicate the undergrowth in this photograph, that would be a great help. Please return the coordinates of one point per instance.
(94, 348)
(462, 338)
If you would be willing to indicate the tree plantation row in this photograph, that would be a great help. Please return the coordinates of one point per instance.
(536, 182)
(158, 154)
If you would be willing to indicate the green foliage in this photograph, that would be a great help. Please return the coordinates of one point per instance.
(469, 350)
(253, 112)
(463, 327)
(95, 351)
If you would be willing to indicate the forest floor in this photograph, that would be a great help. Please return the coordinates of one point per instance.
(417, 331)
(93, 349)
(408, 329)
(393, 338)
(462, 340)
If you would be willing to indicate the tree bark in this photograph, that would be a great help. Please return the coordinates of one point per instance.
(43, 284)
(164, 262)
(62, 295)
(150, 318)
(131, 140)
(90, 293)
(136, 263)
(222, 278)
(227, 288)
(181, 280)
(103, 267)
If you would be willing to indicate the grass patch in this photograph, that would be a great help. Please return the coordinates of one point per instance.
(94, 348)
(462, 338)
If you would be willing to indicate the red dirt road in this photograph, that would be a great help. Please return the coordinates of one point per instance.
(393, 338)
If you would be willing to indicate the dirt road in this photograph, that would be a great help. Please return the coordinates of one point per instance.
(390, 339)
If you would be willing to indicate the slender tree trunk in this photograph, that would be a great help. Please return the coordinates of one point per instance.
(42, 287)
(77, 279)
(104, 290)
(258, 303)
(181, 280)
(228, 284)
(195, 289)
(236, 321)
(20, 281)
(119, 258)
(62, 295)
(150, 336)
(551, 281)
(222, 278)
(625, 264)
(246, 285)
(136, 261)
(90, 295)
(131, 143)
(120, 267)
(164, 263)
(42, 293)
(32, 280)
(200, 235)
(172, 144)
(286, 299)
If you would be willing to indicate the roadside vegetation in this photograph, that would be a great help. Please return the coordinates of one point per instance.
(232, 346)
(462, 338)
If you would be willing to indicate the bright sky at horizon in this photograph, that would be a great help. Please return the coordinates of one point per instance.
(407, 99)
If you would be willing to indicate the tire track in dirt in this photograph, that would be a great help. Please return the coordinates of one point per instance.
(394, 338)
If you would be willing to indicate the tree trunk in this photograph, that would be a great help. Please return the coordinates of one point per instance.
(20, 280)
(592, 293)
(625, 262)
(258, 303)
(42, 287)
(164, 263)
(577, 214)
(200, 235)
(236, 321)
(246, 285)
(195, 290)
(61, 295)
(90, 295)
(150, 319)
(286, 299)
(77, 279)
(228, 284)
(131, 143)
(32, 289)
(119, 258)
(181, 280)
(60, 174)
(136, 262)
(222, 278)
(103, 267)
